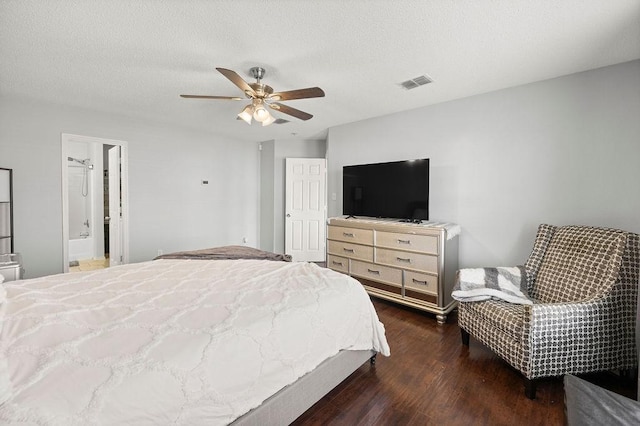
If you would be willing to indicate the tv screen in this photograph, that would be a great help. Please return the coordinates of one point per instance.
(398, 190)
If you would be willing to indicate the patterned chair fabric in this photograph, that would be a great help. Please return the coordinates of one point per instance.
(584, 282)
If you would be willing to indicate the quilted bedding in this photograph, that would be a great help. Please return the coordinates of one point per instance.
(174, 341)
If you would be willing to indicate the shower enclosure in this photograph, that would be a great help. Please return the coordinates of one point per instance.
(95, 219)
(84, 202)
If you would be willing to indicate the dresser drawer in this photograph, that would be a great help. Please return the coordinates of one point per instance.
(353, 251)
(421, 282)
(377, 272)
(394, 240)
(337, 263)
(407, 260)
(350, 235)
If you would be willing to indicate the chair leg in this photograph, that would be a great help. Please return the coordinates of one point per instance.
(630, 374)
(465, 336)
(530, 388)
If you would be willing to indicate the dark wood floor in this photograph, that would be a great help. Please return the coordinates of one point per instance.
(431, 378)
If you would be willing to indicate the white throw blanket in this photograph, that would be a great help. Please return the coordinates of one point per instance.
(504, 283)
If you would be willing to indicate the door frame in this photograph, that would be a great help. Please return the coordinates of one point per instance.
(65, 138)
(115, 205)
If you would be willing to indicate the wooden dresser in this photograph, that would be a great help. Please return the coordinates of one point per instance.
(412, 264)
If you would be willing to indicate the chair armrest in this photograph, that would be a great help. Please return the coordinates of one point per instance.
(571, 319)
(565, 310)
(578, 336)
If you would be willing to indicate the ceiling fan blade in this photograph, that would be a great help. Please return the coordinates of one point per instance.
(291, 111)
(310, 92)
(238, 81)
(232, 98)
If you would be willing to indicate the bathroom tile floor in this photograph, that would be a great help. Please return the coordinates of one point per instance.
(88, 265)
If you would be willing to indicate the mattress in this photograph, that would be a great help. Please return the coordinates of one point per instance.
(173, 341)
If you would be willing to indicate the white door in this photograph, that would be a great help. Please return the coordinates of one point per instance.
(115, 209)
(305, 208)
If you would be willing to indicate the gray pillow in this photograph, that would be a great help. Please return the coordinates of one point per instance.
(588, 404)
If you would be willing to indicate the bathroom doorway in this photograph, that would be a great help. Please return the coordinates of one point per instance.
(95, 203)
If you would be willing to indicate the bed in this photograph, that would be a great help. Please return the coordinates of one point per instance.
(181, 341)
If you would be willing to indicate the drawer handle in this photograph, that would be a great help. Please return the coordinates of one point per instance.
(404, 241)
(371, 271)
(348, 234)
(348, 250)
(402, 259)
(337, 263)
(419, 282)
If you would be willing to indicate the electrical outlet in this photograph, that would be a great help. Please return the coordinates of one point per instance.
(160, 252)
(245, 240)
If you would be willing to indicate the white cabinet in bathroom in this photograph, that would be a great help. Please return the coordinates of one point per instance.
(10, 267)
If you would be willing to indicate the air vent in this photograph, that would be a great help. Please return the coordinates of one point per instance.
(416, 82)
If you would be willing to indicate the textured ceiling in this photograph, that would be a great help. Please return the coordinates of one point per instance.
(136, 57)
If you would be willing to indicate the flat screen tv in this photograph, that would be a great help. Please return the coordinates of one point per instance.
(398, 190)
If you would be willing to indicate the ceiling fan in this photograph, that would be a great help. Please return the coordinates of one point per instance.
(263, 96)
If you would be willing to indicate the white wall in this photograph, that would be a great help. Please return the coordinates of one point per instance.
(562, 151)
(267, 195)
(169, 208)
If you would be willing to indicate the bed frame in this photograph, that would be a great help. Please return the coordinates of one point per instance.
(291, 401)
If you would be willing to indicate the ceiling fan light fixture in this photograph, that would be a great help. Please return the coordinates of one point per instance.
(269, 120)
(246, 114)
(260, 113)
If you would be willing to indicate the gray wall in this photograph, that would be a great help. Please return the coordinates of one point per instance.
(267, 195)
(561, 151)
(273, 156)
(169, 208)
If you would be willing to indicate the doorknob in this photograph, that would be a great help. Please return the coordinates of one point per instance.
(288, 215)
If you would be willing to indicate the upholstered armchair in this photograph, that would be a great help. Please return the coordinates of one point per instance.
(583, 284)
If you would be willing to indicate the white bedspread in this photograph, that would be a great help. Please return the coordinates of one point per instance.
(174, 341)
